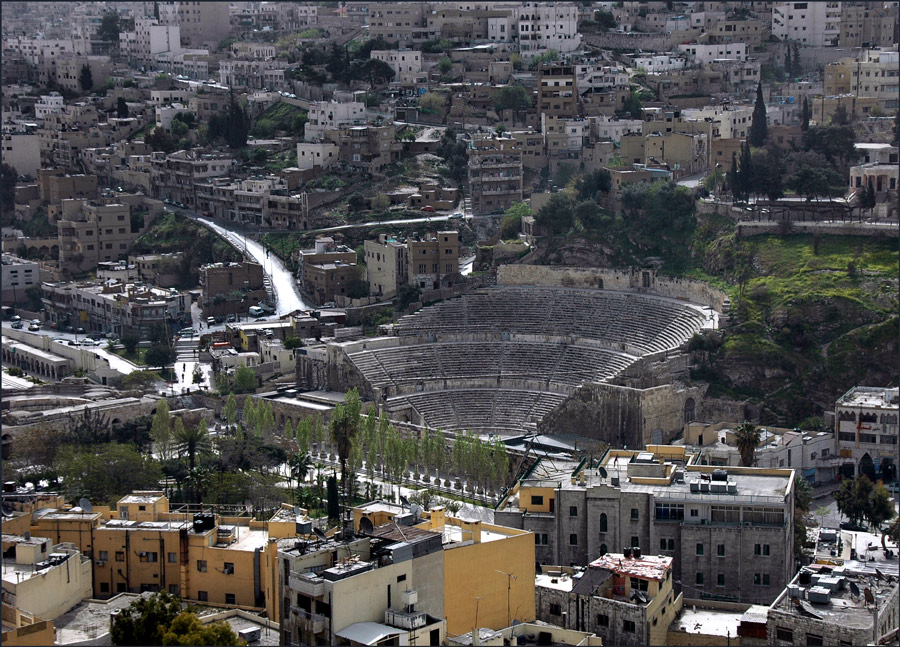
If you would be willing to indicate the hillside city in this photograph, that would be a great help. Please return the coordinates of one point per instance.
(450, 323)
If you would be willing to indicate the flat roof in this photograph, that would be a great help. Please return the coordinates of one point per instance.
(868, 396)
(712, 622)
(648, 567)
(559, 582)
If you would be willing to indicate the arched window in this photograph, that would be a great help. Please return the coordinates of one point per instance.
(603, 522)
(603, 550)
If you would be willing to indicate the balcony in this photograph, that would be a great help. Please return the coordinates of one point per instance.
(312, 622)
(308, 585)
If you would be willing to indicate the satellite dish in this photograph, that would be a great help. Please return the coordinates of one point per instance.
(365, 526)
(870, 599)
(85, 505)
(854, 590)
(602, 471)
(415, 509)
(404, 500)
(879, 574)
(321, 535)
(7, 512)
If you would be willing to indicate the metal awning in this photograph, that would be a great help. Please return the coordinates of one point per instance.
(367, 633)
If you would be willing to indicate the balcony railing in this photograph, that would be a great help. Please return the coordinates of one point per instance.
(311, 622)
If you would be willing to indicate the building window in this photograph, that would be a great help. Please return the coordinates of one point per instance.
(120, 555)
(720, 579)
(635, 515)
(173, 558)
(173, 589)
(635, 542)
(573, 539)
(628, 626)
(760, 549)
(148, 557)
(203, 596)
(573, 511)
(784, 634)
(695, 512)
(537, 500)
(229, 598)
(540, 539)
(201, 565)
(104, 556)
(662, 543)
(555, 610)
(603, 522)
(720, 550)
(229, 568)
(602, 620)
(699, 549)
(699, 579)
(812, 639)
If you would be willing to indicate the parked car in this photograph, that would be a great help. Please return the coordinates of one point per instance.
(79, 331)
(846, 525)
(89, 342)
(18, 325)
(34, 327)
(230, 319)
(220, 319)
(207, 214)
(428, 207)
(36, 322)
(59, 340)
(67, 328)
(187, 332)
(210, 321)
(74, 342)
(16, 318)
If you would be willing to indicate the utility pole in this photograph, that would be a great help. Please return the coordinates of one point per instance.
(509, 578)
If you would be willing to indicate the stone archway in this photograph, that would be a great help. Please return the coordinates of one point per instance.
(689, 410)
(867, 466)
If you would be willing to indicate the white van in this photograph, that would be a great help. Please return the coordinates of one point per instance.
(256, 311)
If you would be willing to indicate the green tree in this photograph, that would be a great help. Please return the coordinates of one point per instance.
(806, 115)
(605, 19)
(759, 128)
(192, 440)
(101, 472)
(836, 143)
(591, 185)
(445, 65)
(121, 108)
(230, 410)
(853, 498)
(109, 29)
(747, 438)
(788, 68)
(432, 102)
(144, 621)
(879, 509)
(160, 140)
(511, 223)
(293, 342)
(86, 78)
(840, 116)
(186, 629)
(356, 203)
(815, 182)
(633, 106)
(161, 429)
(237, 123)
(245, 379)
(556, 216)
(512, 97)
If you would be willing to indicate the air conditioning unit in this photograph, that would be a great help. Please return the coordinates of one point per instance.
(100, 562)
(143, 554)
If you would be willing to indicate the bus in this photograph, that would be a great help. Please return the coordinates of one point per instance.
(256, 311)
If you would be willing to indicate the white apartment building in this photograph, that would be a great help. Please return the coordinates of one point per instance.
(660, 63)
(502, 29)
(406, 63)
(166, 114)
(728, 122)
(48, 105)
(17, 276)
(608, 127)
(597, 78)
(817, 24)
(328, 115)
(702, 54)
(865, 420)
(22, 150)
(150, 38)
(312, 155)
(548, 25)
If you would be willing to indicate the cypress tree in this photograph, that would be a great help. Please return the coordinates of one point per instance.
(759, 130)
(788, 68)
(734, 178)
(804, 124)
(870, 195)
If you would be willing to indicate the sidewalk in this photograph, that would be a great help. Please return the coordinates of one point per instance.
(823, 491)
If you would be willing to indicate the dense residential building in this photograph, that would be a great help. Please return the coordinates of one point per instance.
(433, 258)
(22, 149)
(663, 502)
(557, 91)
(495, 173)
(874, 73)
(816, 24)
(625, 598)
(18, 275)
(844, 605)
(231, 288)
(175, 175)
(865, 421)
(43, 579)
(864, 25)
(330, 115)
(328, 270)
(546, 26)
(386, 265)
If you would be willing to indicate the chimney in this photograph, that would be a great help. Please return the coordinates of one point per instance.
(438, 518)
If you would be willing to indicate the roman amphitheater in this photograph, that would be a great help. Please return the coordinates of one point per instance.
(585, 352)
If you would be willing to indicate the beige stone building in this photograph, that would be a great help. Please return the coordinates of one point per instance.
(495, 174)
(328, 269)
(557, 90)
(231, 288)
(386, 265)
(433, 258)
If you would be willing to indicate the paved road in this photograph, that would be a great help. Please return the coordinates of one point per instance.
(287, 297)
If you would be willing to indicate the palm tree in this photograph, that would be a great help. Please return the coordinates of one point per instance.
(192, 440)
(300, 465)
(344, 428)
(747, 437)
(198, 481)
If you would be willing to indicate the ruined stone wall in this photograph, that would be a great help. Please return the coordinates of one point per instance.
(632, 280)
